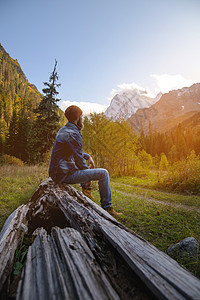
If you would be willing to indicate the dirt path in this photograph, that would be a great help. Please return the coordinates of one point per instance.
(147, 189)
(153, 200)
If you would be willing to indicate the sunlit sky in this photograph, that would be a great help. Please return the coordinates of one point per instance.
(104, 46)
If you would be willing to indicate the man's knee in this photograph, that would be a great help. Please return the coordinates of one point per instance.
(104, 173)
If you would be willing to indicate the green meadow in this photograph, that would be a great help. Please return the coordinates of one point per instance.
(17, 185)
(161, 217)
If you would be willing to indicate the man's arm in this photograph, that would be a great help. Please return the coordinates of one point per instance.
(90, 160)
(76, 146)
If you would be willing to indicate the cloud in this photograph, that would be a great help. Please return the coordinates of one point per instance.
(163, 83)
(166, 82)
(129, 87)
(87, 107)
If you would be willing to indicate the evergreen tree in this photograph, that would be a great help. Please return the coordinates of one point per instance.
(46, 124)
(23, 137)
(173, 154)
(11, 140)
(142, 139)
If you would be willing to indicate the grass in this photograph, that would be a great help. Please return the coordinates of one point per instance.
(17, 185)
(149, 181)
(193, 201)
(153, 214)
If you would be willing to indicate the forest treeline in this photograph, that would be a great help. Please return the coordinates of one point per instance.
(115, 146)
(118, 143)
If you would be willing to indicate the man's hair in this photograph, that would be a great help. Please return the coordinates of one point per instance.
(72, 113)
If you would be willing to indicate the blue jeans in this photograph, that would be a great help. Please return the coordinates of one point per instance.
(83, 176)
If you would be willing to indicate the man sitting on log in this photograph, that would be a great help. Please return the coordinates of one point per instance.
(68, 163)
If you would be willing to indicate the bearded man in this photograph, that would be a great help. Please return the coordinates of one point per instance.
(68, 161)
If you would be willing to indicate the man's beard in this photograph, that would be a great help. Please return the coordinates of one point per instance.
(80, 124)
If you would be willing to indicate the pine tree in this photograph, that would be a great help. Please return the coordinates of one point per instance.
(173, 154)
(142, 139)
(47, 107)
(46, 124)
(12, 135)
(23, 137)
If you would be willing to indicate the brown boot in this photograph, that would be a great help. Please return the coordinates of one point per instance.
(88, 192)
(112, 212)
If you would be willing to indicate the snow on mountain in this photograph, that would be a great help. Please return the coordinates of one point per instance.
(125, 104)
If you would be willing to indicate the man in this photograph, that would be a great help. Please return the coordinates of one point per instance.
(68, 163)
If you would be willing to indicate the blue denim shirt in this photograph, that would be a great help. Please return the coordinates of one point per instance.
(67, 154)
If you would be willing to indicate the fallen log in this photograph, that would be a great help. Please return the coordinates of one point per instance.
(114, 262)
(65, 267)
(10, 237)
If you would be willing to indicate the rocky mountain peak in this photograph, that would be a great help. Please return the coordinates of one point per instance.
(123, 105)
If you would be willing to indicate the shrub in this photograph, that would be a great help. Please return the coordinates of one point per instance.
(10, 160)
(145, 159)
(163, 162)
(185, 175)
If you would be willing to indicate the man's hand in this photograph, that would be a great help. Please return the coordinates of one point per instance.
(91, 163)
(91, 166)
(87, 185)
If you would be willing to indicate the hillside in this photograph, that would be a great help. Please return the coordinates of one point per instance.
(18, 99)
(192, 121)
(15, 90)
(16, 93)
(173, 108)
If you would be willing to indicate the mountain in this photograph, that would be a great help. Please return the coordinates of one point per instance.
(125, 104)
(173, 108)
(192, 122)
